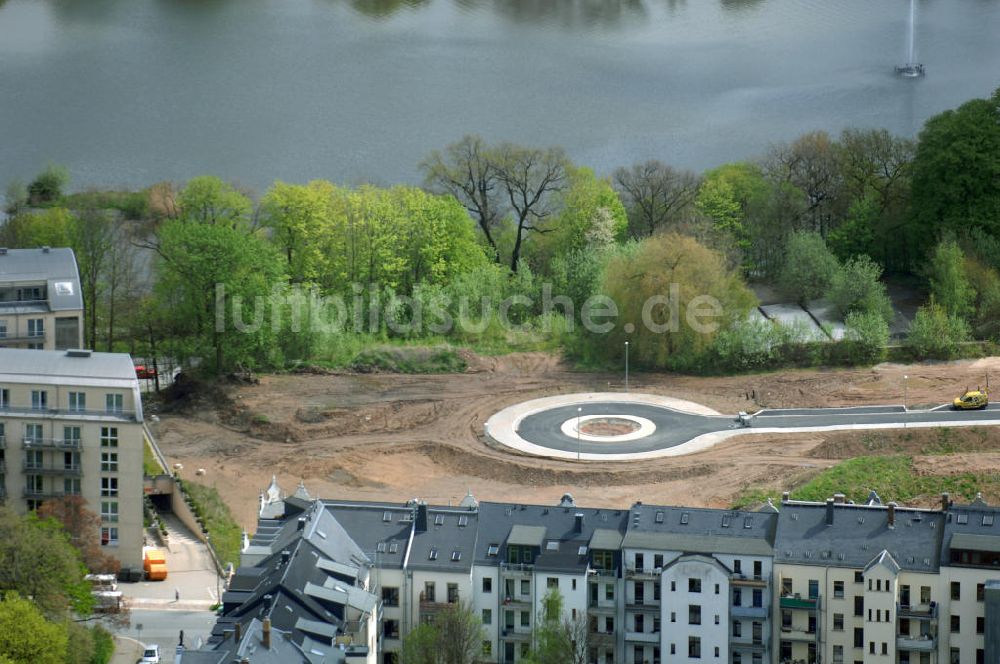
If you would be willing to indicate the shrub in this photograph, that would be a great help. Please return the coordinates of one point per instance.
(48, 185)
(857, 286)
(104, 646)
(948, 281)
(809, 267)
(935, 333)
(866, 338)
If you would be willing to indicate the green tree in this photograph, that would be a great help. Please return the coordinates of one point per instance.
(298, 216)
(38, 561)
(867, 336)
(675, 294)
(26, 636)
(454, 636)
(855, 236)
(956, 173)
(52, 227)
(558, 640)
(809, 267)
(15, 197)
(949, 284)
(204, 271)
(208, 200)
(48, 185)
(857, 287)
(935, 334)
(420, 646)
(810, 164)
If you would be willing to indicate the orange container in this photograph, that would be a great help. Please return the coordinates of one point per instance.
(153, 557)
(157, 572)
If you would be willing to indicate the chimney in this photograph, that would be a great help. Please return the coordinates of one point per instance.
(829, 511)
(239, 632)
(785, 496)
(945, 502)
(578, 523)
(839, 498)
(302, 523)
(286, 555)
(892, 515)
(420, 522)
(265, 634)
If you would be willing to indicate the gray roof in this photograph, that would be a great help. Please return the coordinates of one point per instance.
(384, 541)
(526, 535)
(700, 530)
(563, 548)
(56, 267)
(974, 527)
(858, 534)
(29, 365)
(446, 545)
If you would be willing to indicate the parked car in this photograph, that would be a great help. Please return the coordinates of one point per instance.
(150, 655)
(142, 371)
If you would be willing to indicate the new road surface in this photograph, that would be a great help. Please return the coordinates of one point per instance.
(548, 429)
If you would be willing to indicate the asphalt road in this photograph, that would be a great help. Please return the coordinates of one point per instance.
(674, 427)
(163, 629)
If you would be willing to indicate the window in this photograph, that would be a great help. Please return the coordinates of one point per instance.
(871, 647)
(838, 654)
(838, 589)
(737, 628)
(487, 616)
(525, 619)
(786, 618)
(694, 614)
(392, 629)
(694, 585)
(33, 460)
(109, 511)
(438, 518)
(109, 436)
(758, 569)
(956, 624)
(980, 590)
(859, 577)
(109, 486)
(71, 461)
(487, 584)
(109, 537)
(859, 637)
(639, 561)
(694, 647)
(552, 582)
(77, 401)
(109, 464)
(786, 587)
(980, 625)
(32, 433)
(39, 400)
(33, 484)
(758, 598)
(925, 594)
(956, 590)
(113, 403)
(4, 398)
(456, 555)
(885, 648)
(36, 327)
(717, 589)
(737, 597)
(390, 596)
(492, 550)
(673, 617)
(453, 593)
(658, 561)
(604, 560)
(433, 554)
(71, 486)
(838, 622)
(813, 588)
(71, 436)
(859, 605)
(3, 329)
(429, 591)
(737, 566)
(525, 587)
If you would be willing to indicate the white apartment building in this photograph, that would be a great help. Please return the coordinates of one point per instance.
(71, 425)
(41, 306)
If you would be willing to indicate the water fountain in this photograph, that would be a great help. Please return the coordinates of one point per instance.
(911, 69)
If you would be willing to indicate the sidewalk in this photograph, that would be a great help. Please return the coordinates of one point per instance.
(127, 650)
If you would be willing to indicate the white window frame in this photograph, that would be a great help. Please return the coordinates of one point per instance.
(36, 327)
(77, 402)
(109, 511)
(109, 462)
(114, 403)
(39, 400)
(109, 487)
(109, 437)
(109, 536)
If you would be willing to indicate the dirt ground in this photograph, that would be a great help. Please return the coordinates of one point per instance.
(396, 437)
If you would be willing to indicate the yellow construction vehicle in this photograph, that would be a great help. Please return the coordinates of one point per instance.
(972, 399)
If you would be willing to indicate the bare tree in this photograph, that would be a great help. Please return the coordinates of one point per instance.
(810, 163)
(656, 196)
(467, 171)
(461, 635)
(93, 242)
(529, 177)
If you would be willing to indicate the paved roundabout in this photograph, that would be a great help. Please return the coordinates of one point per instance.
(626, 426)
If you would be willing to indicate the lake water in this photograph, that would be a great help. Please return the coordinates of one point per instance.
(129, 92)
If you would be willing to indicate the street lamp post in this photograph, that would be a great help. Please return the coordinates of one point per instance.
(626, 366)
(905, 391)
(579, 412)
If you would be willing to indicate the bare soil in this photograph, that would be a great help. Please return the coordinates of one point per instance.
(609, 426)
(394, 437)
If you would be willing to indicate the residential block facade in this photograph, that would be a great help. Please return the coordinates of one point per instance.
(41, 306)
(71, 425)
(799, 582)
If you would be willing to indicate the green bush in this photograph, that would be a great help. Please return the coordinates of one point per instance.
(866, 338)
(809, 267)
(936, 334)
(48, 185)
(408, 360)
(211, 512)
(104, 646)
(857, 286)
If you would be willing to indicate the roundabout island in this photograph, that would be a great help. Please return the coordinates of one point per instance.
(614, 426)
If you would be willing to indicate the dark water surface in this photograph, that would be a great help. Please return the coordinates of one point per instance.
(136, 91)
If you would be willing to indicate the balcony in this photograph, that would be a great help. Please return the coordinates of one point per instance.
(126, 415)
(602, 606)
(923, 643)
(45, 494)
(52, 469)
(51, 444)
(748, 644)
(600, 573)
(799, 602)
(644, 605)
(518, 633)
(640, 574)
(756, 612)
(799, 634)
(430, 607)
(917, 611)
(516, 569)
(643, 637)
(517, 600)
(752, 581)
(601, 638)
